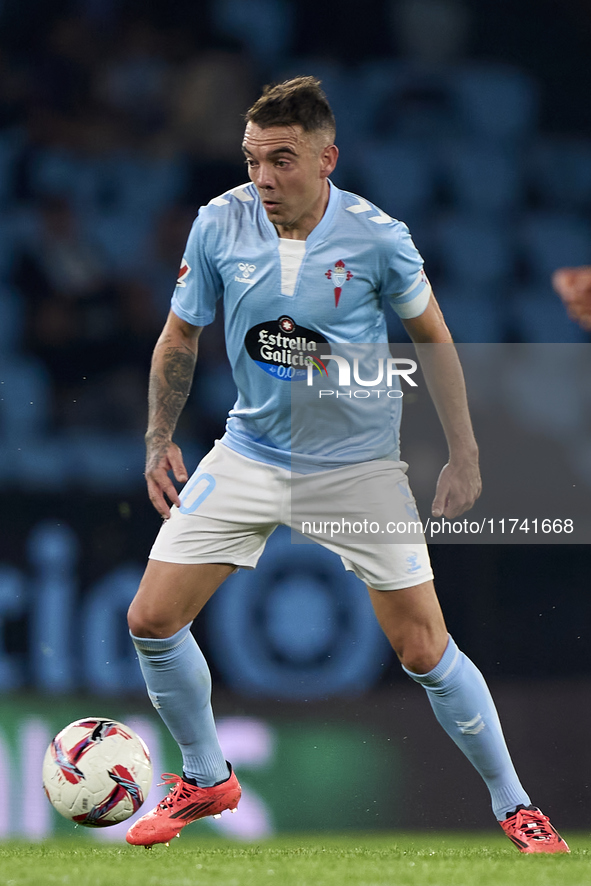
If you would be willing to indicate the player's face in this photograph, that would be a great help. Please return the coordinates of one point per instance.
(290, 169)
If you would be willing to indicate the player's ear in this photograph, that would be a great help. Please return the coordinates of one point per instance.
(328, 160)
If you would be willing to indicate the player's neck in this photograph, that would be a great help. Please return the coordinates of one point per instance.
(303, 226)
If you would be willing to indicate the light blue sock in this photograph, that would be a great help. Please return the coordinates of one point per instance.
(179, 686)
(464, 707)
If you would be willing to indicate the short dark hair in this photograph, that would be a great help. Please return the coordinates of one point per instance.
(300, 101)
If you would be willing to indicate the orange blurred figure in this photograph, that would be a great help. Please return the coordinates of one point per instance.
(573, 285)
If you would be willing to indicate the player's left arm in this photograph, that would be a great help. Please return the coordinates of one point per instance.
(459, 483)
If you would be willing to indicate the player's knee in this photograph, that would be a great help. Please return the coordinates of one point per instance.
(419, 661)
(420, 654)
(143, 622)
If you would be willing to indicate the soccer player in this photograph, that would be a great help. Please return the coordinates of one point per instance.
(301, 266)
(573, 285)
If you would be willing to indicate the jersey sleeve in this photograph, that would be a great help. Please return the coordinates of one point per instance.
(405, 282)
(199, 285)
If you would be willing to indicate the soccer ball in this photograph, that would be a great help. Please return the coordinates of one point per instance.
(97, 772)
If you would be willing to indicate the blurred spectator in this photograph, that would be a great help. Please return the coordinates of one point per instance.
(62, 71)
(208, 96)
(207, 101)
(14, 91)
(159, 270)
(414, 96)
(265, 27)
(431, 32)
(80, 323)
(135, 78)
(335, 31)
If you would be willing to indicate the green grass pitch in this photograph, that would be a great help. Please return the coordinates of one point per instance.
(396, 859)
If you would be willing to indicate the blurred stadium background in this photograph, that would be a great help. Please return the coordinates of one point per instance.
(468, 120)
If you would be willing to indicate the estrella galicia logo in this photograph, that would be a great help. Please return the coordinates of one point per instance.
(284, 349)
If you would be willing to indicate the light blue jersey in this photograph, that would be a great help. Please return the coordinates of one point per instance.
(287, 303)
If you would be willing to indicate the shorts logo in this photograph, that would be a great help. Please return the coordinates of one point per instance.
(411, 510)
(196, 491)
(338, 275)
(184, 272)
(246, 270)
(413, 564)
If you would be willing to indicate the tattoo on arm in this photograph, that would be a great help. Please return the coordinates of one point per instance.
(170, 383)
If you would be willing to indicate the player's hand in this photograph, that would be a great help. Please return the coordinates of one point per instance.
(163, 456)
(458, 487)
(573, 285)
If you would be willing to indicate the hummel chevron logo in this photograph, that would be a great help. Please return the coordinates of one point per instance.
(382, 219)
(238, 192)
(471, 727)
(246, 271)
(363, 206)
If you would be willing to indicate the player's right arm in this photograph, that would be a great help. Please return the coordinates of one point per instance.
(171, 375)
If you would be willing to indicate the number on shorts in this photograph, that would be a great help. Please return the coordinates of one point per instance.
(188, 506)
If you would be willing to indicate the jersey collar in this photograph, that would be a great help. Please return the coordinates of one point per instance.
(317, 233)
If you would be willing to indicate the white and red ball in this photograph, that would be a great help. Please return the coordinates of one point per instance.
(97, 772)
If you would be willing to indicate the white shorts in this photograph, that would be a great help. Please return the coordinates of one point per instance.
(232, 504)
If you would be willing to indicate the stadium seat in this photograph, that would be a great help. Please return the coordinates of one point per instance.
(7, 243)
(473, 313)
(105, 461)
(397, 175)
(472, 250)
(538, 315)
(19, 229)
(124, 237)
(25, 400)
(58, 172)
(408, 100)
(11, 142)
(113, 462)
(378, 79)
(496, 101)
(482, 176)
(12, 320)
(42, 465)
(113, 182)
(138, 183)
(559, 173)
(265, 26)
(550, 240)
